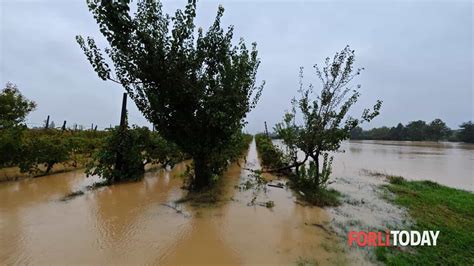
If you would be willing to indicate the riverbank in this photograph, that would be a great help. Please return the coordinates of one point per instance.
(434, 207)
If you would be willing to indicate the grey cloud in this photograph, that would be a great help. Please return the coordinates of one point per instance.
(418, 56)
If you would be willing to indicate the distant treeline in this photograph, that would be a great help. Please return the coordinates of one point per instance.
(419, 130)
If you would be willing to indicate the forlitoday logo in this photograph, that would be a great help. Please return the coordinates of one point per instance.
(393, 238)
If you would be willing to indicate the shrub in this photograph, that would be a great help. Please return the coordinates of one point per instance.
(126, 151)
(46, 150)
(271, 156)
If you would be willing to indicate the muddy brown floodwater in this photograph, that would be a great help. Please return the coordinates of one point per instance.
(139, 223)
(447, 163)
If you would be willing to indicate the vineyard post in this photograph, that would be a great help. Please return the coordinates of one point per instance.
(123, 127)
(47, 123)
(123, 115)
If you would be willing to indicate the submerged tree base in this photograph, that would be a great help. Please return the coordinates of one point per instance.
(205, 197)
(272, 158)
(322, 197)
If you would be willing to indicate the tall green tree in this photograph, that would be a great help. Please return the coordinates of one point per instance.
(14, 107)
(325, 120)
(467, 132)
(437, 130)
(416, 130)
(397, 133)
(195, 87)
(357, 133)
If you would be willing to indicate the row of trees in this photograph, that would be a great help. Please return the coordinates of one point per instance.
(196, 87)
(36, 151)
(419, 130)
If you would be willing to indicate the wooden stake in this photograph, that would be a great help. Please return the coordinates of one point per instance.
(47, 123)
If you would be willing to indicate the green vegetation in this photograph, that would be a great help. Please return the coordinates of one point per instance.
(316, 195)
(36, 151)
(325, 124)
(195, 87)
(270, 156)
(434, 207)
(14, 107)
(273, 159)
(213, 194)
(126, 151)
(419, 130)
(466, 134)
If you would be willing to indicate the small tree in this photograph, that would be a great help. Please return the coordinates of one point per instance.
(195, 88)
(325, 121)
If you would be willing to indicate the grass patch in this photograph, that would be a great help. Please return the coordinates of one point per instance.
(434, 207)
(322, 197)
(395, 180)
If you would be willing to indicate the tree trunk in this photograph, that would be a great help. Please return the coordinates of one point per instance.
(48, 168)
(316, 162)
(202, 174)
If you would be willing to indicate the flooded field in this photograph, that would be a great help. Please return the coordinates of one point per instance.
(139, 223)
(450, 164)
(447, 163)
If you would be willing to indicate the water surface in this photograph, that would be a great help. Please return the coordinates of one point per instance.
(447, 163)
(134, 224)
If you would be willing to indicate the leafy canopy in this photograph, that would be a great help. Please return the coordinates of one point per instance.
(14, 107)
(195, 87)
(325, 120)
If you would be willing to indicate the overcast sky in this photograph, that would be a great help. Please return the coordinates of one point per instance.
(418, 56)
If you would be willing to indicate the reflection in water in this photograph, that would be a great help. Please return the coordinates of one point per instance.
(129, 224)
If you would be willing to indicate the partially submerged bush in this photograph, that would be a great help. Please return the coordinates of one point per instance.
(10, 145)
(46, 150)
(126, 151)
(271, 156)
(321, 197)
(396, 180)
